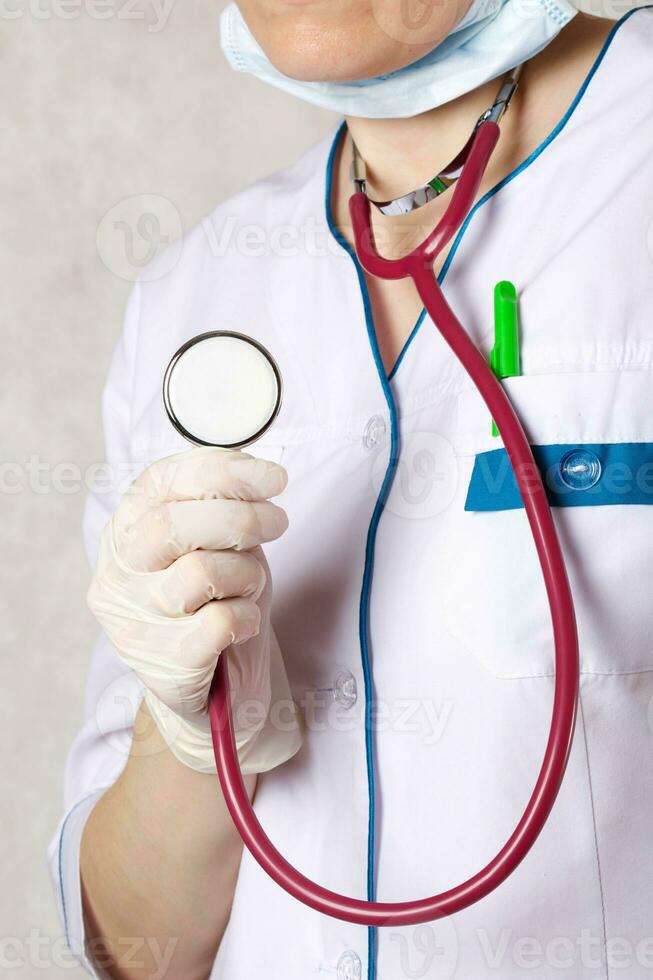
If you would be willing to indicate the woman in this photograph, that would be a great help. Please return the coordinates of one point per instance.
(411, 621)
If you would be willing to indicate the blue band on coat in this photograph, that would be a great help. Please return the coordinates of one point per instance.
(624, 476)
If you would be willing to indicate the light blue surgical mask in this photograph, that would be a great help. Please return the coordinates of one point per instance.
(493, 37)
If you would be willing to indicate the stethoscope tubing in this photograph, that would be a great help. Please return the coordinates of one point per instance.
(419, 266)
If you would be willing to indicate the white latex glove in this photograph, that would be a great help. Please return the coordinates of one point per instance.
(180, 579)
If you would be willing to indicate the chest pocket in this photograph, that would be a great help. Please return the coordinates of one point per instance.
(592, 435)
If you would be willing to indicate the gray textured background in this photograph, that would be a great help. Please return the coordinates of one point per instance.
(94, 111)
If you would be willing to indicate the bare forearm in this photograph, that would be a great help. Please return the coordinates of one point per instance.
(159, 862)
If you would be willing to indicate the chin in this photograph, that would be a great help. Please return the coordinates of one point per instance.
(313, 55)
(346, 40)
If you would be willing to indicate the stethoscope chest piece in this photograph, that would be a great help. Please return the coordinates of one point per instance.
(222, 389)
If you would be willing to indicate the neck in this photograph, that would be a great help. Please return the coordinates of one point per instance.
(401, 154)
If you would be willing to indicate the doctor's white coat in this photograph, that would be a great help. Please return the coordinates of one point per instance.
(407, 596)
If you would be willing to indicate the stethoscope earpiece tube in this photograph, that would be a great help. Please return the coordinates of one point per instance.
(419, 266)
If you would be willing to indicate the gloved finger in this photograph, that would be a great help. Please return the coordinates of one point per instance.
(182, 673)
(203, 474)
(166, 532)
(198, 577)
(223, 623)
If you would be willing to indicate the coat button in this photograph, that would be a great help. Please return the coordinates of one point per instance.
(349, 966)
(345, 689)
(374, 432)
(580, 469)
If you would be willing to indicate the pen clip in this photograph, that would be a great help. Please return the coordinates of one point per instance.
(505, 358)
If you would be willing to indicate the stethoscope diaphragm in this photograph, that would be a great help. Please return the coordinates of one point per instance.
(222, 389)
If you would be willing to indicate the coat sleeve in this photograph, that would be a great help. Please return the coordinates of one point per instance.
(113, 694)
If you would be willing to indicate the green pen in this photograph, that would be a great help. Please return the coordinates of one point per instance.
(504, 356)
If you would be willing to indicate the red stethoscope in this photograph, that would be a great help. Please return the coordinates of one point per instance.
(466, 172)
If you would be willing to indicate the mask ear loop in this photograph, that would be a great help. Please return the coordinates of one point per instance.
(419, 266)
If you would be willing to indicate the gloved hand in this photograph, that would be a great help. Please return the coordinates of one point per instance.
(180, 580)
